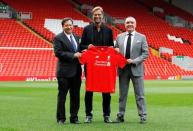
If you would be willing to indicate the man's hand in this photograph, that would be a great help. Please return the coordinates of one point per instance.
(129, 61)
(84, 50)
(77, 55)
(89, 46)
(117, 49)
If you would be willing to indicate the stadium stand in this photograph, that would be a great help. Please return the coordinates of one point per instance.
(47, 9)
(168, 9)
(20, 64)
(12, 34)
(156, 31)
(156, 68)
(23, 54)
(34, 57)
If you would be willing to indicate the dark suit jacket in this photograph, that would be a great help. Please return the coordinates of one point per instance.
(88, 36)
(67, 65)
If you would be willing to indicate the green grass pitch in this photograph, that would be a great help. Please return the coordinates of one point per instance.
(31, 106)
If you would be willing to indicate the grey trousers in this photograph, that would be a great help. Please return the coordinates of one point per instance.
(138, 84)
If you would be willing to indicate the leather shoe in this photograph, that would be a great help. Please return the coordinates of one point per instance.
(107, 119)
(143, 120)
(88, 119)
(76, 121)
(120, 118)
(60, 122)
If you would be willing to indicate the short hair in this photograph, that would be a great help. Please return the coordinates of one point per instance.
(66, 19)
(97, 8)
(131, 18)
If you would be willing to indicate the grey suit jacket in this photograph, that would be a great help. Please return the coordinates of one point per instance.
(138, 53)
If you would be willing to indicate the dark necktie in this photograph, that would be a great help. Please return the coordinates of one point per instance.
(73, 43)
(127, 53)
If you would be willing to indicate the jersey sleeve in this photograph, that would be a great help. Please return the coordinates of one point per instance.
(121, 61)
(84, 58)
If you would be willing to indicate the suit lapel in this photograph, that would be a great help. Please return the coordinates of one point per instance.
(122, 48)
(135, 38)
(134, 41)
(77, 41)
(67, 42)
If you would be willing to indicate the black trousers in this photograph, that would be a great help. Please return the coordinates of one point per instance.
(106, 103)
(73, 85)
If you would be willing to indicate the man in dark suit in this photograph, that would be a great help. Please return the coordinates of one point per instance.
(66, 47)
(134, 47)
(97, 34)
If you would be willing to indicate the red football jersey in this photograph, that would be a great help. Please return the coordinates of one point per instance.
(101, 68)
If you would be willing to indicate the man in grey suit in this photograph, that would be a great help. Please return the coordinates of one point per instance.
(133, 46)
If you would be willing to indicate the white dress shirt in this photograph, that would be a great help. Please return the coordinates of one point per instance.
(125, 42)
(68, 35)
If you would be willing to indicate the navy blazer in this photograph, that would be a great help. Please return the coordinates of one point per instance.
(67, 65)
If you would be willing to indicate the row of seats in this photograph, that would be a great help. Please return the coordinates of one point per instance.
(157, 36)
(46, 9)
(27, 63)
(155, 66)
(43, 62)
(12, 34)
(168, 9)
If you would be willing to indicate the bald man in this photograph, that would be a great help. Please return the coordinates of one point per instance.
(133, 46)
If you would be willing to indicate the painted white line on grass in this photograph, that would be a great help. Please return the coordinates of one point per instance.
(180, 90)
